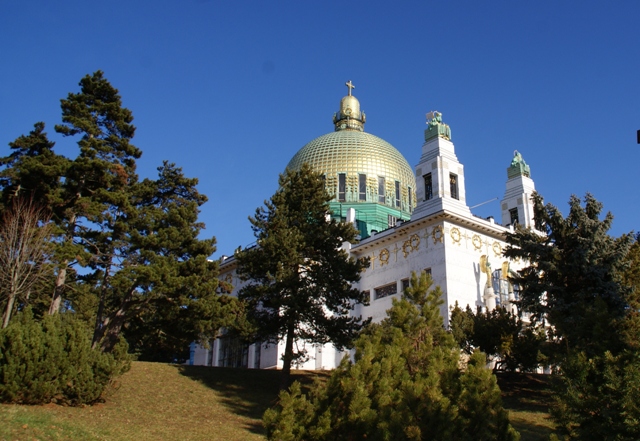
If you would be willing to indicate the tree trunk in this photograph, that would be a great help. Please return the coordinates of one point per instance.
(56, 299)
(7, 314)
(61, 279)
(107, 331)
(98, 331)
(287, 358)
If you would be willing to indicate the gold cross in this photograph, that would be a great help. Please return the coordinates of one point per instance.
(350, 85)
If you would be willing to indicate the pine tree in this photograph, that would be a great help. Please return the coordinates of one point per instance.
(299, 276)
(165, 284)
(33, 171)
(30, 186)
(98, 181)
(580, 280)
(501, 335)
(407, 383)
(144, 270)
(572, 279)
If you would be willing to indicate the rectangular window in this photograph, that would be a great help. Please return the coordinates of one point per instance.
(342, 187)
(381, 197)
(410, 201)
(428, 187)
(367, 294)
(233, 353)
(387, 290)
(513, 213)
(362, 187)
(428, 271)
(397, 194)
(453, 181)
(391, 221)
(405, 284)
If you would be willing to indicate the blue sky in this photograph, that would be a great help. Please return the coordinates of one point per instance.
(230, 91)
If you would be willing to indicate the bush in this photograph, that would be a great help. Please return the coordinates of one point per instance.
(52, 361)
(408, 382)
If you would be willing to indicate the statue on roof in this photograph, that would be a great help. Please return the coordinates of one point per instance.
(518, 166)
(436, 127)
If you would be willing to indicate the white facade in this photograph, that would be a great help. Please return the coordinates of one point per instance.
(462, 252)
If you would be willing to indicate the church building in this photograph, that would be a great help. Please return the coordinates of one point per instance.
(409, 220)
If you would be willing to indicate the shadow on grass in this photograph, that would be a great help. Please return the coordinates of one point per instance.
(245, 392)
(530, 396)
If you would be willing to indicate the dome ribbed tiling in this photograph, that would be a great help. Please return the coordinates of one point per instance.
(353, 153)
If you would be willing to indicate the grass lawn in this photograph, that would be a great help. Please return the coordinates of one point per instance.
(156, 401)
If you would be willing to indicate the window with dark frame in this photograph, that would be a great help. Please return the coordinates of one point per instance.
(410, 200)
(428, 187)
(342, 187)
(362, 187)
(386, 290)
(453, 181)
(398, 194)
(513, 214)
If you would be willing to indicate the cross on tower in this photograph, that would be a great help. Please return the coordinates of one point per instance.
(350, 85)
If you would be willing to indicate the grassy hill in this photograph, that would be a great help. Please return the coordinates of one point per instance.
(158, 402)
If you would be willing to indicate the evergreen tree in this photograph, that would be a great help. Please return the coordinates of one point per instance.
(407, 383)
(580, 280)
(299, 276)
(30, 186)
(33, 171)
(144, 270)
(51, 360)
(501, 335)
(572, 279)
(97, 186)
(165, 276)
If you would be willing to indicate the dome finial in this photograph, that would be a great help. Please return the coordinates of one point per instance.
(349, 117)
(350, 85)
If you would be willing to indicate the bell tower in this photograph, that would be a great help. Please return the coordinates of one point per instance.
(439, 175)
(516, 205)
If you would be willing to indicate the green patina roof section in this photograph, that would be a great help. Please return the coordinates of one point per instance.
(518, 167)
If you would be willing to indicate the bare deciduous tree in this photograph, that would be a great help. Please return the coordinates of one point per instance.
(24, 241)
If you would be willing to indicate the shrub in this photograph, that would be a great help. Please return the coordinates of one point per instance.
(407, 383)
(52, 361)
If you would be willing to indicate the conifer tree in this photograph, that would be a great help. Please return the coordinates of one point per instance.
(407, 383)
(501, 335)
(165, 283)
(97, 183)
(137, 242)
(30, 189)
(572, 279)
(33, 171)
(299, 276)
(580, 280)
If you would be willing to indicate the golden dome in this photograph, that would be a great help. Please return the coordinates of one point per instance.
(359, 168)
(353, 152)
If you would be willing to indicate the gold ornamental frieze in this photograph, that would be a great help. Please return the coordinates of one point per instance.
(477, 242)
(410, 245)
(437, 234)
(455, 235)
(497, 249)
(384, 256)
